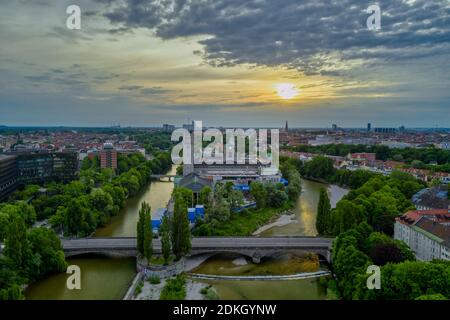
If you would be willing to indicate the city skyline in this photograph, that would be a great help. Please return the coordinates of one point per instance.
(144, 63)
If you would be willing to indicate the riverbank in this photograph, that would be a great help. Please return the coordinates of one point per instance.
(282, 220)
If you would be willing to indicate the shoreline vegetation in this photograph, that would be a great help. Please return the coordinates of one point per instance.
(75, 209)
(363, 224)
(248, 223)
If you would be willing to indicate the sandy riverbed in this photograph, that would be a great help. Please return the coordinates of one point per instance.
(281, 221)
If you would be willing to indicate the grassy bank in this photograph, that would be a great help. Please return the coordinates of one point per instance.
(245, 223)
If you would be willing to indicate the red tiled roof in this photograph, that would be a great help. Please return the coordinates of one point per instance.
(411, 217)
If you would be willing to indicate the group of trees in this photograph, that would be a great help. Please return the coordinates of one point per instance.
(290, 169)
(76, 209)
(145, 232)
(401, 276)
(81, 206)
(322, 168)
(363, 225)
(221, 204)
(408, 155)
(377, 202)
(154, 142)
(174, 231)
(29, 254)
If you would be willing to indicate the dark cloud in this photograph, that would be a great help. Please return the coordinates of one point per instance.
(155, 90)
(315, 37)
(130, 87)
(39, 78)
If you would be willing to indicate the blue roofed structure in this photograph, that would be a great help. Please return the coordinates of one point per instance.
(157, 217)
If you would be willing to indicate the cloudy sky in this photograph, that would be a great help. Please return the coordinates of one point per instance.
(226, 62)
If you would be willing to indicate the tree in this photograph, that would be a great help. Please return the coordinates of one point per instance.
(47, 252)
(165, 239)
(294, 187)
(74, 219)
(220, 211)
(346, 216)
(181, 236)
(148, 234)
(320, 168)
(206, 198)
(258, 192)
(141, 226)
(349, 263)
(409, 280)
(10, 281)
(186, 194)
(4, 221)
(275, 194)
(323, 213)
(17, 247)
(386, 252)
(417, 164)
(236, 199)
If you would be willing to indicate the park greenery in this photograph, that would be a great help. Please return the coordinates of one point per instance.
(401, 276)
(174, 289)
(29, 255)
(74, 209)
(363, 223)
(222, 217)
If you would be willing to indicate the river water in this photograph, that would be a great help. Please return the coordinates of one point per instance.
(109, 278)
(301, 223)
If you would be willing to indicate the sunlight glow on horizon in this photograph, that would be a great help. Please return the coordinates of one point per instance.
(286, 91)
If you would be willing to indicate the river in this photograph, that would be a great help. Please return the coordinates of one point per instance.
(301, 223)
(109, 278)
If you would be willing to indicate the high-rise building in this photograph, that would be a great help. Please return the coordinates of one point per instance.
(8, 175)
(42, 167)
(369, 127)
(168, 128)
(108, 156)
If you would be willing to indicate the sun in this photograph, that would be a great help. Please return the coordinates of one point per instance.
(286, 90)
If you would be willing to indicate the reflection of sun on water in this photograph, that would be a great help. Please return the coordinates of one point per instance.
(286, 90)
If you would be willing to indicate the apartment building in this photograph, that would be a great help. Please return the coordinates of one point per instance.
(426, 232)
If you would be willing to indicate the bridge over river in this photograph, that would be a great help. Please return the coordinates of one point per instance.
(253, 247)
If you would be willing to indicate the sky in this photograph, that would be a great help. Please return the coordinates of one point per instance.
(226, 62)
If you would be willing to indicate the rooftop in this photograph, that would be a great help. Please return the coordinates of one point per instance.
(435, 197)
(437, 215)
